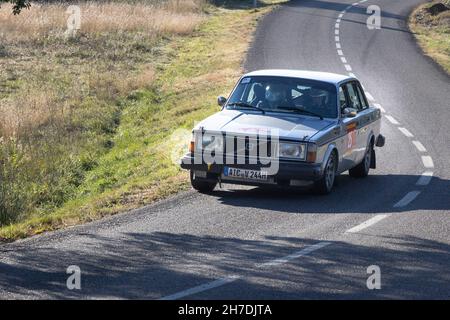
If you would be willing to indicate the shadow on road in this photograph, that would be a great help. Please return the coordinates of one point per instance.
(349, 196)
(150, 266)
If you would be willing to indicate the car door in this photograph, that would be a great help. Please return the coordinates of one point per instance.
(358, 131)
(348, 126)
(364, 120)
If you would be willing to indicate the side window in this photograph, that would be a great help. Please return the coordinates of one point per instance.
(362, 97)
(342, 100)
(353, 96)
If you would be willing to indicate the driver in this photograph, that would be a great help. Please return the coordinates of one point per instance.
(318, 101)
(275, 95)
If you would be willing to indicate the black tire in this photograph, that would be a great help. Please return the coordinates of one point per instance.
(326, 183)
(362, 169)
(202, 186)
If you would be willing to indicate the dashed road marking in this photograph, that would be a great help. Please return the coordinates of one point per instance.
(419, 146)
(295, 255)
(392, 120)
(367, 223)
(406, 132)
(427, 162)
(425, 178)
(229, 279)
(201, 288)
(407, 199)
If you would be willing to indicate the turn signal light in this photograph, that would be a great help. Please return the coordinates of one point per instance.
(191, 146)
(311, 157)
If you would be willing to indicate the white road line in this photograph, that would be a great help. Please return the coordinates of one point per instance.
(369, 96)
(367, 223)
(427, 162)
(295, 255)
(351, 74)
(229, 279)
(338, 20)
(343, 60)
(355, 4)
(348, 67)
(341, 15)
(339, 52)
(336, 32)
(336, 39)
(336, 25)
(406, 132)
(410, 196)
(201, 288)
(419, 146)
(392, 120)
(425, 178)
(338, 45)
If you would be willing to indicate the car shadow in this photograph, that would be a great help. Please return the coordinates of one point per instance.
(374, 194)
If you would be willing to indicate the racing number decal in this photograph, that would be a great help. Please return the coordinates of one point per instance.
(351, 130)
(351, 139)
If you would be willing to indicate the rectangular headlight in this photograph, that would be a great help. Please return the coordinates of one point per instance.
(294, 150)
(212, 142)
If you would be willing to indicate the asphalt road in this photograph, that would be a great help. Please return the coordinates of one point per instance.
(244, 243)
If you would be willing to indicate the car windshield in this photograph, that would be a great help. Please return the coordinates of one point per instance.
(288, 95)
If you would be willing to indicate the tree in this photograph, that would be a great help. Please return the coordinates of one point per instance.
(18, 5)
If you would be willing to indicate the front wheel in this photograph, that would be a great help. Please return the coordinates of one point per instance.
(202, 186)
(325, 184)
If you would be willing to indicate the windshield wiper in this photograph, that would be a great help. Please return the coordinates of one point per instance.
(301, 111)
(245, 105)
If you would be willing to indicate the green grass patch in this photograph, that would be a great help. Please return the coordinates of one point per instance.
(433, 32)
(142, 131)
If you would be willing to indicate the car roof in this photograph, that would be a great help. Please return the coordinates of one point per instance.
(303, 74)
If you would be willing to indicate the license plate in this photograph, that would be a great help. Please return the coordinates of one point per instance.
(245, 174)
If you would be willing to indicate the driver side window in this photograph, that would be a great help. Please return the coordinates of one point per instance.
(353, 97)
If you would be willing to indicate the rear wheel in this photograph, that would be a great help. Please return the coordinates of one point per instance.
(362, 169)
(325, 184)
(202, 186)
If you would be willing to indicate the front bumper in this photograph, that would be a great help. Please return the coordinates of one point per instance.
(288, 171)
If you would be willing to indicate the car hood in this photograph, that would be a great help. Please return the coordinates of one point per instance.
(291, 126)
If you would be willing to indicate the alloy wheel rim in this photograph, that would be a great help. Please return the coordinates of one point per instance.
(330, 173)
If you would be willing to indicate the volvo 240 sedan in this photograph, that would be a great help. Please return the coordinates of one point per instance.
(286, 128)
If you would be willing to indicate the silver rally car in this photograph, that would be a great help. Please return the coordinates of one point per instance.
(286, 128)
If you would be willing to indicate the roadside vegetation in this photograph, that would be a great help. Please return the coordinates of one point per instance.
(430, 23)
(89, 124)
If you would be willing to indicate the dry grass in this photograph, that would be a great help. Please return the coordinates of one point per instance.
(61, 97)
(50, 20)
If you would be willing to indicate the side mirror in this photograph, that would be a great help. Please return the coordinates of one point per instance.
(221, 101)
(349, 112)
